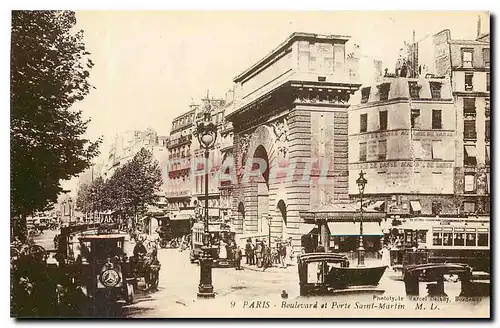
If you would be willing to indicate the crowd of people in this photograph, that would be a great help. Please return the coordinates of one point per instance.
(264, 256)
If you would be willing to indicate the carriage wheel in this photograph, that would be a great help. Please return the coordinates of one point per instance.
(163, 243)
(154, 280)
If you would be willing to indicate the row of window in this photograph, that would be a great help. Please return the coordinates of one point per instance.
(468, 57)
(421, 150)
(437, 122)
(469, 85)
(413, 87)
(469, 106)
(450, 236)
(426, 150)
(470, 130)
(183, 121)
(181, 152)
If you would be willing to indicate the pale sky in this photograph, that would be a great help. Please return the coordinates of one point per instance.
(150, 64)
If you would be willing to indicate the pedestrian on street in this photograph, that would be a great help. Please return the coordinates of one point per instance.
(222, 250)
(237, 257)
(252, 254)
(248, 251)
(267, 256)
(282, 255)
(258, 253)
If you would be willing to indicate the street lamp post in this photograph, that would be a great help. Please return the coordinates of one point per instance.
(206, 132)
(269, 221)
(361, 182)
(70, 201)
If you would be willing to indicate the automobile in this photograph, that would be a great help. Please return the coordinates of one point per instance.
(323, 273)
(106, 274)
(437, 276)
(95, 262)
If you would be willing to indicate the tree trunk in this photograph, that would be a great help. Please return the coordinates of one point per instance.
(134, 219)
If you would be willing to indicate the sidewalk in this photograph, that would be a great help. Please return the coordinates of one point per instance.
(293, 268)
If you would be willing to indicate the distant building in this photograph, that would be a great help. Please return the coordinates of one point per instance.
(126, 145)
(94, 171)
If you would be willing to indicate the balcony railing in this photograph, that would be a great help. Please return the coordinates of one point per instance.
(470, 135)
(179, 193)
(469, 111)
(180, 141)
(173, 174)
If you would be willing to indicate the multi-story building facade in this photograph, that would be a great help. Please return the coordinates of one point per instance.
(217, 107)
(185, 183)
(402, 135)
(226, 147)
(180, 152)
(467, 64)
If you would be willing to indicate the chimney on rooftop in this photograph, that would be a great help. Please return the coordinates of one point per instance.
(478, 26)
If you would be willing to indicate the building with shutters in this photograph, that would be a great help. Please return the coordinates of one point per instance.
(467, 64)
(185, 180)
(402, 135)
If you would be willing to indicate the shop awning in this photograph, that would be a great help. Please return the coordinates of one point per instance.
(306, 228)
(352, 229)
(471, 151)
(415, 206)
(378, 204)
(414, 226)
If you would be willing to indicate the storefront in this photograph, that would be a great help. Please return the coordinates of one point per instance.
(344, 236)
(338, 229)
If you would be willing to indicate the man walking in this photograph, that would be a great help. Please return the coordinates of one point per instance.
(249, 251)
(237, 258)
(266, 256)
(259, 253)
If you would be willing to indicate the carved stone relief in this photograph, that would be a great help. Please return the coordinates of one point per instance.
(280, 130)
(311, 97)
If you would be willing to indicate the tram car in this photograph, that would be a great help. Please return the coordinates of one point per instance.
(218, 232)
(450, 241)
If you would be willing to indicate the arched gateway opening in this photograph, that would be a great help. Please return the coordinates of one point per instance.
(261, 182)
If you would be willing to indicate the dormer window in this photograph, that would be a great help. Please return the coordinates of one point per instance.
(435, 90)
(383, 90)
(467, 56)
(365, 94)
(414, 88)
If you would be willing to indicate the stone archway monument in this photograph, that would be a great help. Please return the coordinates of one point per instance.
(290, 132)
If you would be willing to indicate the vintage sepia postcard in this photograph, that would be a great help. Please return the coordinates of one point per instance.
(231, 164)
